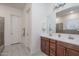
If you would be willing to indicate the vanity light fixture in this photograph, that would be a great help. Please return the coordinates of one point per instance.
(58, 5)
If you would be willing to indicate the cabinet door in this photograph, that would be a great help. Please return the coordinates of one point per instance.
(60, 50)
(16, 29)
(43, 44)
(52, 48)
(47, 46)
(71, 52)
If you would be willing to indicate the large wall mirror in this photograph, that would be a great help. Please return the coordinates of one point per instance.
(67, 21)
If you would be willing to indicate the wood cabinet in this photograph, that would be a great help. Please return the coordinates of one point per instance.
(71, 52)
(54, 47)
(60, 50)
(67, 49)
(45, 45)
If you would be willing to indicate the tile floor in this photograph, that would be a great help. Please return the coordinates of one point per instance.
(18, 50)
(39, 54)
(15, 50)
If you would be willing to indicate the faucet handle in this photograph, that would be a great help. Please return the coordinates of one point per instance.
(70, 37)
(59, 35)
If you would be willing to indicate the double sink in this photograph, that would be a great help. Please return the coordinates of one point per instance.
(73, 39)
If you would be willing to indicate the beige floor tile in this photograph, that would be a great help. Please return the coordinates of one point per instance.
(15, 50)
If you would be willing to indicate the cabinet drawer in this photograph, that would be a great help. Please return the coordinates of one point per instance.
(52, 41)
(52, 44)
(62, 43)
(52, 52)
(53, 48)
(71, 52)
(74, 47)
(68, 45)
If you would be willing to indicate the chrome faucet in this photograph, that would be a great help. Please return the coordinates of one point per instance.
(59, 35)
(70, 37)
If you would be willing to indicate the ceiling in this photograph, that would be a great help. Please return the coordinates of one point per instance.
(65, 12)
(15, 5)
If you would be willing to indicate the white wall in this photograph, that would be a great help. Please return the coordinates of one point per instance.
(7, 12)
(36, 27)
(39, 14)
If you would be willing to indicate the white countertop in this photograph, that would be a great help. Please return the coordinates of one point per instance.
(64, 38)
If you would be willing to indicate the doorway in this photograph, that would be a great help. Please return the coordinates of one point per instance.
(15, 29)
(1, 34)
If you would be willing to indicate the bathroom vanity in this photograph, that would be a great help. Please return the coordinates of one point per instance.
(62, 38)
(54, 46)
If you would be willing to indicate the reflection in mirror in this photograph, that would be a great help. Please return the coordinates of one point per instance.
(51, 23)
(67, 21)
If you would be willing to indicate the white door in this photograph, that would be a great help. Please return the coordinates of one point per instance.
(15, 29)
